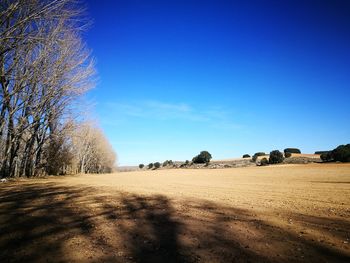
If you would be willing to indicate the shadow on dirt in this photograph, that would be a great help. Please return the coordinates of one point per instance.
(50, 223)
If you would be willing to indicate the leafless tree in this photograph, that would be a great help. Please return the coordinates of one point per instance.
(92, 150)
(44, 68)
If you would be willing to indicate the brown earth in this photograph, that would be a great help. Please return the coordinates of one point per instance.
(309, 155)
(285, 213)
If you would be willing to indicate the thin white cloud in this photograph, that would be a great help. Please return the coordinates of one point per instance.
(179, 107)
(216, 117)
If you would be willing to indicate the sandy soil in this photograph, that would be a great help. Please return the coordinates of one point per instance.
(286, 213)
(306, 155)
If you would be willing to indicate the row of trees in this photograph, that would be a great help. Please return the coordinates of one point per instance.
(202, 157)
(157, 165)
(341, 153)
(287, 153)
(44, 69)
(81, 148)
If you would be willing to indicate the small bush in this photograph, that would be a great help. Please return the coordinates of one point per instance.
(165, 163)
(264, 162)
(141, 165)
(150, 166)
(246, 156)
(291, 150)
(276, 157)
(256, 155)
(187, 162)
(157, 165)
(326, 157)
(203, 157)
(287, 154)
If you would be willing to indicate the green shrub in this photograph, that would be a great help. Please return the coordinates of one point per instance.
(157, 165)
(187, 162)
(167, 163)
(246, 156)
(256, 155)
(326, 157)
(141, 165)
(341, 153)
(287, 154)
(203, 157)
(264, 162)
(292, 150)
(150, 166)
(276, 157)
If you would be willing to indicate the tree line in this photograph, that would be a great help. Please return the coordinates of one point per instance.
(45, 68)
(203, 157)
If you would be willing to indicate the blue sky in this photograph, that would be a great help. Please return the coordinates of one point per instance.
(230, 77)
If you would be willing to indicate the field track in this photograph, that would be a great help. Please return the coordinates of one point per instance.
(282, 213)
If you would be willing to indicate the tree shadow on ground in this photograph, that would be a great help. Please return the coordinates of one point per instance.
(47, 222)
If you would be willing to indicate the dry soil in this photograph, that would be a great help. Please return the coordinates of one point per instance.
(286, 213)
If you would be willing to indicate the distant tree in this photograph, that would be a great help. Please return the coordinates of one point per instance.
(170, 162)
(246, 156)
(187, 162)
(341, 153)
(264, 162)
(287, 154)
(292, 150)
(275, 157)
(141, 165)
(203, 157)
(92, 151)
(157, 165)
(150, 166)
(165, 163)
(327, 156)
(256, 155)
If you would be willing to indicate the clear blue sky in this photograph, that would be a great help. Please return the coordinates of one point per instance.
(230, 77)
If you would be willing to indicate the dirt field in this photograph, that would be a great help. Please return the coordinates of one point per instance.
(287, 213)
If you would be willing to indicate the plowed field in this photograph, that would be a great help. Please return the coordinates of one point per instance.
(287, 213)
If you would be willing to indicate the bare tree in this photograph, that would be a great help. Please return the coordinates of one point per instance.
(44, 68)
(93, 152)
